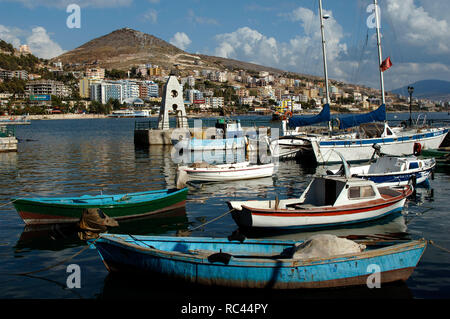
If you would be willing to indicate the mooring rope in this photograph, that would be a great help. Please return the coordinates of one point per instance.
(181, 232)
(437, 246)
(54, 265)
(10, 202)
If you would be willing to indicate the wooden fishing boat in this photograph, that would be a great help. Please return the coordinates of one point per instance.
(327, 201)
(121, 206)
(256, 263)
(204, 172)
(394, 171)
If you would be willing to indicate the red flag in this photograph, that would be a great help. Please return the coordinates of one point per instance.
(386, 64)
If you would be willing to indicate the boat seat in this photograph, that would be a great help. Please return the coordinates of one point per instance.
(301, 206)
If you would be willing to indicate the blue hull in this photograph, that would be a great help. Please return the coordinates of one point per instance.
(400, 179)
(254, 263)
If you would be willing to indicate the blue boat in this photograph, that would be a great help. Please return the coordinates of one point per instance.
(392, 171)
(255, 263)
(226, 135)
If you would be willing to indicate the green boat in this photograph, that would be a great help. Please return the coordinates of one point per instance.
(121, 206)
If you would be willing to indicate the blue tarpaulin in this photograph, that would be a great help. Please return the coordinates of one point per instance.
(379, 115)
(323, 116)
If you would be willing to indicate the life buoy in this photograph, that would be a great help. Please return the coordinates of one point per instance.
(288, 114)
(417, 150)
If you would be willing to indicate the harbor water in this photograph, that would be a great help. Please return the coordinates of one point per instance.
(75, 157)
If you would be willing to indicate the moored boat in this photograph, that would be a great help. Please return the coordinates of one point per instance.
(204, 172)
(8, 140)
(395, 171)
(48, 210)
(270, 264)
(226, 135)
(327, 201)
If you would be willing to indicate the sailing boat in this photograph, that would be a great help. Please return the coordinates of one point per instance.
(294, 142)
(374, 130)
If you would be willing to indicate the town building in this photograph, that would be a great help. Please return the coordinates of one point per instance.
(47, 87)
(95, 73)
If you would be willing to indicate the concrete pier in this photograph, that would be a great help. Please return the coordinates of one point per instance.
(172, 102)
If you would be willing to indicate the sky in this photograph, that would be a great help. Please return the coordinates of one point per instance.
(282, 34)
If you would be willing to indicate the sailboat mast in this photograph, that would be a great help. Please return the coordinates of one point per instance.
(380, 56)
(325, 70)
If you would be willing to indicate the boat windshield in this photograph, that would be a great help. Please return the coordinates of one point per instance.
(360, 192)
(324, 192)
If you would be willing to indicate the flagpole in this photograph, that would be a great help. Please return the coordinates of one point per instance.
(380, 56)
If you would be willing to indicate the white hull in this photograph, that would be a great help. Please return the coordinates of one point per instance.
(356, 150)
(274, 220)
(394, 172)
(228, 172)
(8, 144)
(210, 145)
(300, 222)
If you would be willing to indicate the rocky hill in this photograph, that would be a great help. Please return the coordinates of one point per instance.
(124, 48)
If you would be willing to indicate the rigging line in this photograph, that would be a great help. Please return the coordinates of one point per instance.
(354, 41)
(307, 31)
(357, 70)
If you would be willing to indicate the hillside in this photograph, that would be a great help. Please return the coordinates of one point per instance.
(427, 89)
(124, 48)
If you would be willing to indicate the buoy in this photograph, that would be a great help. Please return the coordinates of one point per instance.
(417, 150)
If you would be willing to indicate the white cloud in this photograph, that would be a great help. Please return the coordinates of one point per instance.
(11, 35)
(151, 15)
(249, 45)
(41, 45)
(38, 40)
(302, 53)
(65, 3)
(419, 28)
(200, 20)
(180, 40)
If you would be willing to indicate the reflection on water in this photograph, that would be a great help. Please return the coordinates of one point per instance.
(166, 291)
(61, 236)
(393, 226)
(72, 158)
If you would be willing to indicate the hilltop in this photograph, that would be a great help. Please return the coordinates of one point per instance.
(427, 89)
(124, 48)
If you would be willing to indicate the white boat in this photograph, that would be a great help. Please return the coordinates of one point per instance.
(359, 147)
(394, 171)
(328, 201)
(288, 146)
(142, 113)
(226, 135)
(122, 113)
(373, 129)
(204, 172)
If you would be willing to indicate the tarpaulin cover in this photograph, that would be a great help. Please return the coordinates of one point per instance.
(323, 116)
(379, 115)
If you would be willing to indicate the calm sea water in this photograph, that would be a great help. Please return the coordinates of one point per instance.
(75, 157)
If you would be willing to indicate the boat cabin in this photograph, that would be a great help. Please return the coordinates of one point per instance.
(226, 128)
(375, 129)
(337, 191)
(392, 164)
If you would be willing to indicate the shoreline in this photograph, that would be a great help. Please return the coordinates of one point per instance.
(71, 116)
